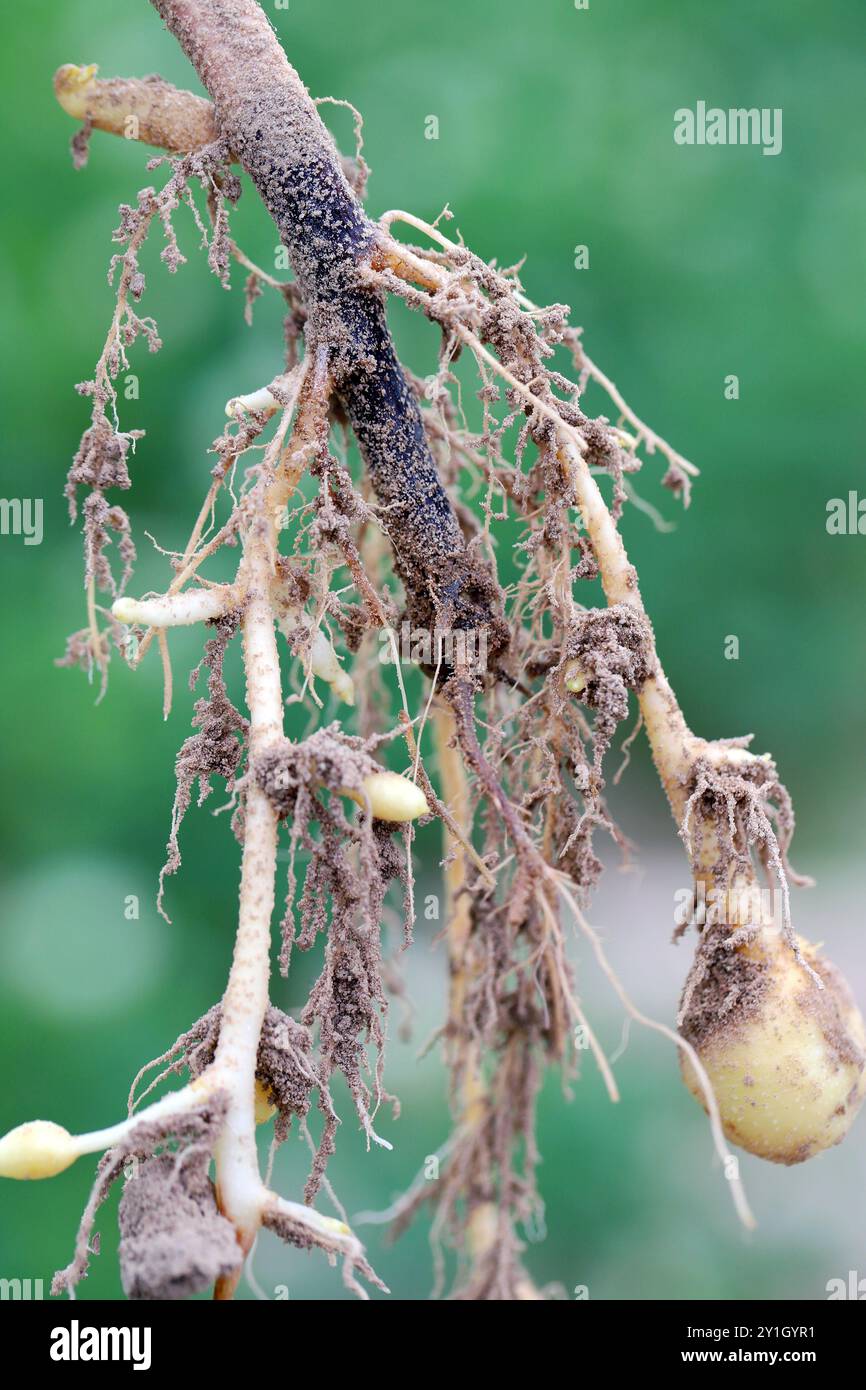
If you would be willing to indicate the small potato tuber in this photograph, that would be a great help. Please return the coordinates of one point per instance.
(784, 1056)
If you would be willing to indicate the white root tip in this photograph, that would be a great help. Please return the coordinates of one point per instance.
(72, 86)
(261, 402)
(324, 664)
(124, 610)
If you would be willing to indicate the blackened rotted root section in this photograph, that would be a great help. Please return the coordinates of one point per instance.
(444, 584)
(270, 121)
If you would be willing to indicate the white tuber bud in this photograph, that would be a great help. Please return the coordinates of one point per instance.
(264, 1105)
(574, 678)
(38, 1149)
(391, 797)
(324, 664)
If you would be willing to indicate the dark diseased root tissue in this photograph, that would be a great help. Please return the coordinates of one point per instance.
(274, 130)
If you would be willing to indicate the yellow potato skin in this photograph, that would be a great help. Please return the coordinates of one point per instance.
(789, 1075)
(38, 1149)
(391, 797)
(264, 1106)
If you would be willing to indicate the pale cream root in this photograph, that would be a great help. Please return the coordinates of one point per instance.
(145, 109)
(178, 610)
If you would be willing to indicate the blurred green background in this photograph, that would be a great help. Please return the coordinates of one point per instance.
(555, 130)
